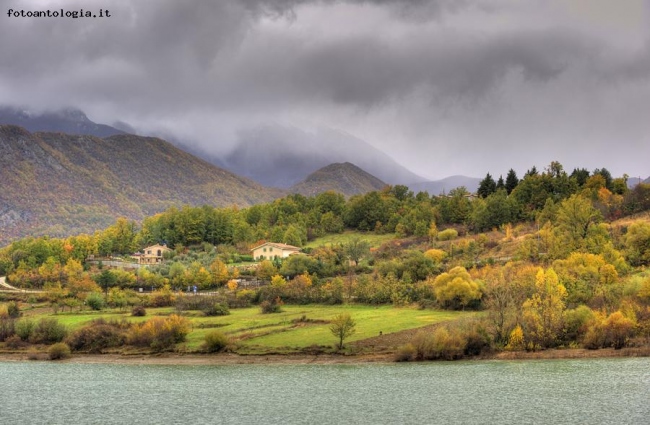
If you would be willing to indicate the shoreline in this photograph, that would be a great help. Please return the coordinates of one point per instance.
(226, 359)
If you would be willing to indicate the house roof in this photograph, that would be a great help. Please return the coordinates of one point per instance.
(282, 246)
(157, 246)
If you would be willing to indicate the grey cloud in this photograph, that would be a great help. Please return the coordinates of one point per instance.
(440, 75)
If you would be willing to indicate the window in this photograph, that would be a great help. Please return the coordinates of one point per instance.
(271, 249)
(264, 249)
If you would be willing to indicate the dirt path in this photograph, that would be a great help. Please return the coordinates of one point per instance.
(4, 286)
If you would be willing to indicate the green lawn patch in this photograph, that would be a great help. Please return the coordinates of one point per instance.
(297, 327)
(373, 239)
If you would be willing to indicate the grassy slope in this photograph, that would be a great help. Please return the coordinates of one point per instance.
(373, 239)
(262, 333)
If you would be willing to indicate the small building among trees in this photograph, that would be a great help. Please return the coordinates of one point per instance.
(271, 251)
(153, 254)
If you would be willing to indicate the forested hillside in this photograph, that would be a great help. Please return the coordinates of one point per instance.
(58, 184)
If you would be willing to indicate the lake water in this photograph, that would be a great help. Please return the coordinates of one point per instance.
(594, 391)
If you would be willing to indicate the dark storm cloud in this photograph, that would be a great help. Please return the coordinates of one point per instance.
(435, 78)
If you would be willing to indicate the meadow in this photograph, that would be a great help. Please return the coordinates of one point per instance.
(293, 330)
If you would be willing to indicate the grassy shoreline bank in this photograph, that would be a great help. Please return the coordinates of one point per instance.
(224, 359)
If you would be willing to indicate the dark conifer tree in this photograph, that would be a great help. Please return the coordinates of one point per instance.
(511, 181)
(580, 175)
(500, 183)
(487, 186)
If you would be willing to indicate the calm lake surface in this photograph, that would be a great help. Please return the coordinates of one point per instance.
(594, 391)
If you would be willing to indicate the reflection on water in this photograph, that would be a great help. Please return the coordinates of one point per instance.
(594, 391)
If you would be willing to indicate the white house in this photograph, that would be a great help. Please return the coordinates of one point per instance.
(153, 254)
(271, 250)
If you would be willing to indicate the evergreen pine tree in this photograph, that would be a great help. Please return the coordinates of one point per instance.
(487, 186)
(500, 183)
(511, 181)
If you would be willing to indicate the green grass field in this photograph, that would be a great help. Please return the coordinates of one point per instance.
(295, 328)
(373, 239)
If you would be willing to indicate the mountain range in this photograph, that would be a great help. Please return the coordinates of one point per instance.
(272, 155)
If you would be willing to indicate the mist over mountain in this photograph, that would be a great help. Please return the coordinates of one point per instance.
(282, 156)
(273, 155)
(345, 178)
(438, 187)
(59, 184)
(66, 120)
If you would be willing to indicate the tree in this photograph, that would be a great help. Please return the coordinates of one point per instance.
(487, 186)
(574, 217)
(106, 280)
(543, 312)
(342, 327)
(456, 289)
(265, 270)
(580, 175)
(606, 175)
(511, 181)
(355, 249)
(219, 272)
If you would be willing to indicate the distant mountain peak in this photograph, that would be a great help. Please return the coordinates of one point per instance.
(345, 178)
(281, 156)
(65, 120)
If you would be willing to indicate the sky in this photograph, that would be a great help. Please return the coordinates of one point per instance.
(443, 86)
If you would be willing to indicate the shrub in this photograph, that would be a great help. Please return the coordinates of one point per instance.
(215, 341)
(448, 345)
(24, 328)
(217, 309)
(477, 340)
(14, 342)
(210, 306)
(516, 340)
(442, 344)
(406, 353)
(159, 333)
(613, 331)
(59, 351)
(48, 331)
(13, 310)
(271, 306)
(95, 300)
(138, 311)
(447, 235)
(98, 336)
(7, 328)
(423, 345)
